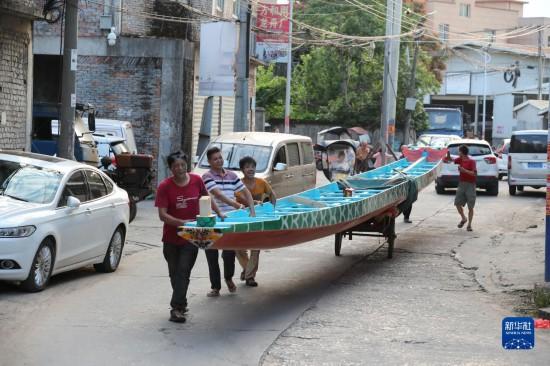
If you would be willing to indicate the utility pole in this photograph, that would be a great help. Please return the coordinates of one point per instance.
(241, 96)
(541, 67)
(391, 68)
(412, 90)
(65, 146)
(289, 69)
(486, 58)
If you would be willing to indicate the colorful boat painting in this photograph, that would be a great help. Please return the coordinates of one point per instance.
(318, 212)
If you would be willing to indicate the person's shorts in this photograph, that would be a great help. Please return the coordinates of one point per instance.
(466, 194)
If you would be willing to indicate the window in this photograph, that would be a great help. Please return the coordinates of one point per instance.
(529, 144)
(109, 185)
(95, 182)
(444, 32)
(293, 154)
(76, 187)
(473, 149)
(27, 182)
(220, 4)
(307, 152)
(464, 10)
(491, 35)
(236, 7)
(281, 156)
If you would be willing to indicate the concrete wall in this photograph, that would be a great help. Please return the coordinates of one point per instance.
(15, 80)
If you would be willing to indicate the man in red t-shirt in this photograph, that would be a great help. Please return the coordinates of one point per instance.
(177, 200)
(466, 191)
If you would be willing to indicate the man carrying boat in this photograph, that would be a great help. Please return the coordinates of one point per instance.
(223, 184)
(260, 190)
(466, 191)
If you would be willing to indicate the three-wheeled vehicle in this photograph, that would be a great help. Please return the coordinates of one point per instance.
(325, 138)
(337, 159)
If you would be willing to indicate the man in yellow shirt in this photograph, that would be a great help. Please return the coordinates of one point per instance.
(260, 190)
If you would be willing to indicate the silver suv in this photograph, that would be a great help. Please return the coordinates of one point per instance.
(527, 160)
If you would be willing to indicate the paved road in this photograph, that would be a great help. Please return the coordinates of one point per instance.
(426, 306)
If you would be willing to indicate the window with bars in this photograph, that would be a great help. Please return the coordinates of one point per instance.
(444, 32)
(465, 10)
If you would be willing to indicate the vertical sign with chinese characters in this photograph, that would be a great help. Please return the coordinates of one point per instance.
(272, 35)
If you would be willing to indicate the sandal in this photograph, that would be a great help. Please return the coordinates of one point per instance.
(462, 223)
(231, 285)
(469, 228)
(213, 293)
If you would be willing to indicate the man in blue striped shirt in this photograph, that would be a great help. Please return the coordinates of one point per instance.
(222, 185)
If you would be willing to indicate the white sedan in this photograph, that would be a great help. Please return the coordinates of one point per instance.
(57, 215)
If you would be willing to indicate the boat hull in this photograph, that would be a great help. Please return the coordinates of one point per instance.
(273, 239)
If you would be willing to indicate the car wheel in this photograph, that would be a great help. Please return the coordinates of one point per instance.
(520, 188)
(41, 268)
(114, 253)
(439, 189)
(493, 189)
(512, 190)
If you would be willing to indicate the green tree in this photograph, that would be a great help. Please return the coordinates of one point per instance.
(342, 83)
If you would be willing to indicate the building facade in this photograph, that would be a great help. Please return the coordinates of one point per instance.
(16, 72)
(142, 78)
(511, 78)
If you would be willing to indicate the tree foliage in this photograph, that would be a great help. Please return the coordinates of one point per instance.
(343, 84)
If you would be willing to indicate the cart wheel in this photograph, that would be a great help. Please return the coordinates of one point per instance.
(337, 244)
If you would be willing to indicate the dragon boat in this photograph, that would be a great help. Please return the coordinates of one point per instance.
(319, 212)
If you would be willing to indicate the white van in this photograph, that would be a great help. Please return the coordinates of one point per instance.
(116, 128)
(285, 161)
(527, 158)
(109, 128)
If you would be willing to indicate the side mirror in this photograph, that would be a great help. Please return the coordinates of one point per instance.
(91, 121)
(73, 202)
(279, 167)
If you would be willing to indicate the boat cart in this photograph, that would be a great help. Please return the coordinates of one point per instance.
(382, 226)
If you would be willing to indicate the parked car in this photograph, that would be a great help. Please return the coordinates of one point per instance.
(502, 158)
(57, 215)
(486, 164)
(527, 160)
(284, 160)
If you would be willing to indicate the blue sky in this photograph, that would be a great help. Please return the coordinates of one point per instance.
(537, 8)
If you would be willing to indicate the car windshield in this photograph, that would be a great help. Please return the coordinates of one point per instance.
(233, 153)
(444, 120)
(531, 144)
(473, 149)
(28, 183)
